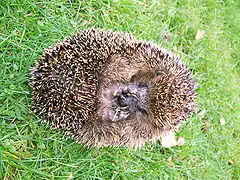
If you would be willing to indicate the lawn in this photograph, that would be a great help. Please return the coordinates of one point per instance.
(31, 150)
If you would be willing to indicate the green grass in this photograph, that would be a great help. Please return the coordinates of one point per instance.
(31, 150)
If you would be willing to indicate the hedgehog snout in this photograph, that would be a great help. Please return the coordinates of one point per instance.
(129, 101)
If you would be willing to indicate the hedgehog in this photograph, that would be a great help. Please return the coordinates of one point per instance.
(106, 88)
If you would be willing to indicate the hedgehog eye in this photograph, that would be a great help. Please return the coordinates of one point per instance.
(158, 72)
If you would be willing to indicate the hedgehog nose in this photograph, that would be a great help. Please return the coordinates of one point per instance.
(127, 100)
(123, 101)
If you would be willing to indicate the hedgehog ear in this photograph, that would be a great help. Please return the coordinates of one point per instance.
(142, 77)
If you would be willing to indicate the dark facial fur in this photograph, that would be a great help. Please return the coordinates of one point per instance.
(128, 101)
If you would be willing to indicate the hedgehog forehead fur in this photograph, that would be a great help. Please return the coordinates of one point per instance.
(107, 88)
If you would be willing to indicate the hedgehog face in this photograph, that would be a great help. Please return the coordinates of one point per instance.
(126, 101)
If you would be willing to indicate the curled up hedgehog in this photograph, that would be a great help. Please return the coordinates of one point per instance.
(109, 89)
